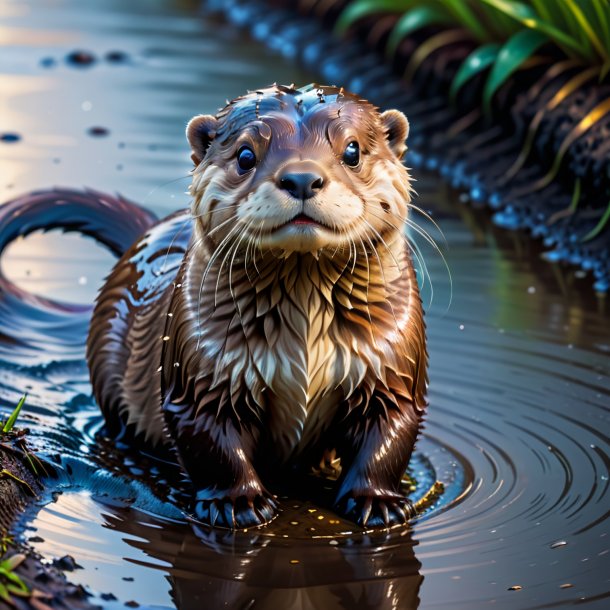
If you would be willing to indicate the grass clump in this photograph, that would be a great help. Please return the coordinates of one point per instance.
(10, 422)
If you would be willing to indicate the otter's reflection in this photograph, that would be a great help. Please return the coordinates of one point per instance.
(271, 570)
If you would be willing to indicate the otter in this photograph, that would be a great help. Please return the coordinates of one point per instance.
(288, 326)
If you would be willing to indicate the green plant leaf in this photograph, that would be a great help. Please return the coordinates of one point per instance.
(414, 20)
(467, 17)
(363, 8)
(587, 28)
(601, 8)
(4, 594)
(10, 422)
(526, 15)
(13, 561)
(516, 50)
(480, 59)
(597, 229)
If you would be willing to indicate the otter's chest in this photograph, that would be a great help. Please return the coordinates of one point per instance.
(312, 367)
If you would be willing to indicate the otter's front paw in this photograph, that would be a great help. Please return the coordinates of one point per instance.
(234, 511)
(374, 509)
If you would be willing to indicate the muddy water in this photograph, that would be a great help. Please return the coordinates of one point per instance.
(520, 371)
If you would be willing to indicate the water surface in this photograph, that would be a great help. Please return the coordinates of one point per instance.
(518, 421)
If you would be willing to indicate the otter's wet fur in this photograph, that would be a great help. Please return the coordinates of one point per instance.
(291, 326)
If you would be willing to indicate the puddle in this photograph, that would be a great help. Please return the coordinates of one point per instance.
(519, 376)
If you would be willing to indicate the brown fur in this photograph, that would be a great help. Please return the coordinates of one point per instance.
(264, 342)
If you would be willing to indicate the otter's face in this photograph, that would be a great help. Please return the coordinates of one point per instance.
(299, 171)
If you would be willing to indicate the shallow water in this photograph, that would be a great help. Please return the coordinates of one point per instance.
(518, 421)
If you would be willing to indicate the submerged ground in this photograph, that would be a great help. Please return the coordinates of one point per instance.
(520, 369)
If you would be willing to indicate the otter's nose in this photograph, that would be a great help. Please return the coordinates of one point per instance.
(301, 185)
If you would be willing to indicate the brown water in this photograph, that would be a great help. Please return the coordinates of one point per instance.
(520, 371)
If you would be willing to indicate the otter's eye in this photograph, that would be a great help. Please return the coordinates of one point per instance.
(246, 159)
(351, 156)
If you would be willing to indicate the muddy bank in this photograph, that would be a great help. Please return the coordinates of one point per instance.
(493, 162)
(25, 582)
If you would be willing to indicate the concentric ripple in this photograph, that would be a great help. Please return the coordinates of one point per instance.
(518, 423)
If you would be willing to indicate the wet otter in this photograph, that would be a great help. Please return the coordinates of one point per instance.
(290, 326)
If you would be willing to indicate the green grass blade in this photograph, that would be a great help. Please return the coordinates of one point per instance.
(597, 229)
(480, 59)
(363, 8)
(542, 7)
(413, 20)
(601, 8)
(516, 50)
(587, 28)
(575, 196)
(526, 15)
(467, 17)
(10, 422)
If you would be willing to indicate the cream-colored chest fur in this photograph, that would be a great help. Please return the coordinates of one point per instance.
(298, 336)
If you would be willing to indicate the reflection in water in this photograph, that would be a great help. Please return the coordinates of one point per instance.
(120, 550)
(518, 422)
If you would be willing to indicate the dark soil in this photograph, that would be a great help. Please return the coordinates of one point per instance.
(20, 485)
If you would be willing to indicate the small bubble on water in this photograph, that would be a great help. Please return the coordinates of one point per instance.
(294, 561)
(461, 327)
(558, 544)
(86, 106)
(570, 346)
(531, 290)
(333, 542)
(82, 280)
(166, 338)
(176, 364)
(159, 369)
(566, 585)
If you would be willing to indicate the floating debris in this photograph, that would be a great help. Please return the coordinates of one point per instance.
(10, 137)
(515, 588)
(294, 561)
(558, 544)
(80, 58)
(116, 57)
(566, 585)
(98, 131)
(67, 563)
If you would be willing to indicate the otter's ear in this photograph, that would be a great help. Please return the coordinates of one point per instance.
(396, 129)
(200, 132)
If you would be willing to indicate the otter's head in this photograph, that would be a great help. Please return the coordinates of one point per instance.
(299, 170)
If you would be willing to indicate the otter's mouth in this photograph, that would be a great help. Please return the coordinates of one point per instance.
(303, 219)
